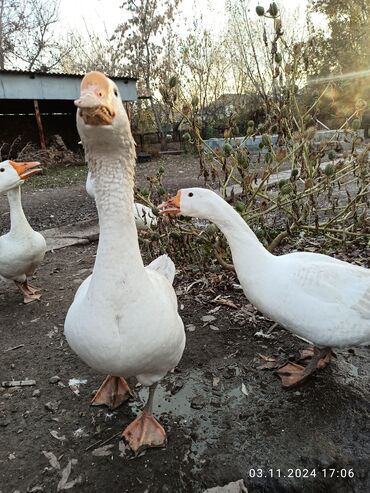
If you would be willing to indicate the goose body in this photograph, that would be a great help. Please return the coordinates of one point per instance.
(143, 215)
(138, 340)
(319, 298)
(21, 249)
(123, 320)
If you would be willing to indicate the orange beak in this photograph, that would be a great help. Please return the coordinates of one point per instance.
(25, 170)
(172, 206)
(95, 105)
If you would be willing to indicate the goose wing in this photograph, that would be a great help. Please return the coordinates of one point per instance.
(163, 265)
(334, 281)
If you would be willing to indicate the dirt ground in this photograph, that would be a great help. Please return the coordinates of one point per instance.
(226, 418)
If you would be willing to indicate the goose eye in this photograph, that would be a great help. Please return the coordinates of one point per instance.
(190, 194)
(2, 170)
(115, 92)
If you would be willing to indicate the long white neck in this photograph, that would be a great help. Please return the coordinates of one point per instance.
(249, 255)
(18, 221)
(118, 262)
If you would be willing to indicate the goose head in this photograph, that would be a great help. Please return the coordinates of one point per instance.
(193, 202)
(101, 116)
(14, 174)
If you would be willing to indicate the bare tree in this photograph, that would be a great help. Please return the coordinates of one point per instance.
(207, 68)
(91, 51)
(26, 39)
(256, 66)
(141, 42)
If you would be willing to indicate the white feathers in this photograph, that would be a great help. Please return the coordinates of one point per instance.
(319, 298)
(144, 217)
(164, 266)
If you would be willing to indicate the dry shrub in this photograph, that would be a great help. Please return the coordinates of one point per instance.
(54, 155)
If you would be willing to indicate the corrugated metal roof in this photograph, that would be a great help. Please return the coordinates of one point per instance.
(23, 85)
(59, 74)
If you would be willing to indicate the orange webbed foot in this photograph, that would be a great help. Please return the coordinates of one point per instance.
(30, 293)
(145, 432)
(113, 392)
(291, 375)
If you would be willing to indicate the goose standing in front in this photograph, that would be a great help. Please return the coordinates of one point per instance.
(319, 298)
(123, 320)
(22, 249)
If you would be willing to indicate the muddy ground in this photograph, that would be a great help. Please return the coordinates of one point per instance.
(226, 417)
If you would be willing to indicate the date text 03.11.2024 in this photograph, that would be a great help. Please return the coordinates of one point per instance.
(301, 473)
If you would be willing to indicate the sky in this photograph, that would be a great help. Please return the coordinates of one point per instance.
(101, 15)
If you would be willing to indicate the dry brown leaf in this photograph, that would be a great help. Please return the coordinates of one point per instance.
(223, 301)
(266, 358)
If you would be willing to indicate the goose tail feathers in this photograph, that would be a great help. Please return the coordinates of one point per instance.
(165, 266)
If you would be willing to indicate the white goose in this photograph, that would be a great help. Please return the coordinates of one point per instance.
(22, 249)
(319, 298)
(123, 320)
(143, 215)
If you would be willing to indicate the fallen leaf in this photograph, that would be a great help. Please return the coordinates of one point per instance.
(208, 318)
(65, 475)
(213, 327)
(80, 432)
(216, 381)
(215, 309)
(55, 435)
(266, 358)
(224, 301)
(53, 461)
(244, 389)
(103, 451)
(63, 483)
(190, 327)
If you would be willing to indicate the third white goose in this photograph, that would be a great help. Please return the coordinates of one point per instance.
(319, 298)
(22, 249)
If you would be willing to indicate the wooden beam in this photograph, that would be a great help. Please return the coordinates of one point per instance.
(128, 109)
(39, 124)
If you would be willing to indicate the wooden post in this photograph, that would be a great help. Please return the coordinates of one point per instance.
(128, 108)
(39, 124)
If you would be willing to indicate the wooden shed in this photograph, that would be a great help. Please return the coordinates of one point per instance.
(37, 105)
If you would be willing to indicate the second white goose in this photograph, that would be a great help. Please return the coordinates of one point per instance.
(319, 298)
